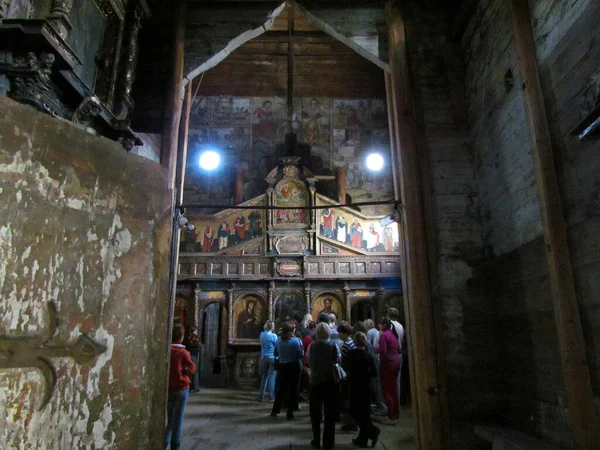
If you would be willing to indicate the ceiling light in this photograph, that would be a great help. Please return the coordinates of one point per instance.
(209, 160)
(374, 162)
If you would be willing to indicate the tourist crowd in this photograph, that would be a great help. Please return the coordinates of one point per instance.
(348, 373)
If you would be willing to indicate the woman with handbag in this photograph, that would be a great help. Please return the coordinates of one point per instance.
(323, 355)
(288, 360)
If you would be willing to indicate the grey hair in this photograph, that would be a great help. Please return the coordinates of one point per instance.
(269, 325)
(323, 332)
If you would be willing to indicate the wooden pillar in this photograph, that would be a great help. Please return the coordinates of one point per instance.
(184, 127)
(239, 186)
(168, 156)
(578, 387)
(392, 123)
(341, 179)
(429, 428)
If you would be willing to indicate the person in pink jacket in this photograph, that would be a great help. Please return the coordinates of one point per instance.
(390, 364)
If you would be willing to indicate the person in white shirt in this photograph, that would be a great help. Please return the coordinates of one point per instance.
(394, 314)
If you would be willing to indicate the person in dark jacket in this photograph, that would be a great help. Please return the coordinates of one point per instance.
(361, 369)
(345, 332)
(180, 369)
(322, 357)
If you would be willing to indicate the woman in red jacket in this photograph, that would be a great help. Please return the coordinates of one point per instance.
(180, 369)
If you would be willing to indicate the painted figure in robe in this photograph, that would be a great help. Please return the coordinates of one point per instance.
(327, 223)
(223, 235)
(248, 323)
(311, 120)
(372, 238)
(327, 308)
(254, 224)
(342, 229)
(266, 127)
(356, 231)
(388, 239)
(209, 236)
(239, 228)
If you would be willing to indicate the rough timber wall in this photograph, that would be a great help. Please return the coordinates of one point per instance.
(448, 164)
(515, 274)
(86, 226)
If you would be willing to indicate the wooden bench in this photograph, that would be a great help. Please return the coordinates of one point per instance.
(508, 439)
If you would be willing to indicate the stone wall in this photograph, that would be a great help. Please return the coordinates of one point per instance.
(515, 276)
(85, 227)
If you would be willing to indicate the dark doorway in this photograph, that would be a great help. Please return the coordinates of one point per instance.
(213, 336)
(361, 310)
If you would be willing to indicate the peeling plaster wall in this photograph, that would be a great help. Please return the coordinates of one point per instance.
(86, 226)
(515, 275)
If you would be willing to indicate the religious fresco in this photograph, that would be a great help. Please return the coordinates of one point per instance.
(291, 245)
(289, 306)
(327, 249)
(328, 304)
(223, 230)
(351, 114)
(200, 112)
(381, 138)
(221, 111)
(340, 133)
(359, 232)
(311, 124)
(257, 250)
(269, 119)
(240, 112)
(235, 140)
(379, 115)
(249, 315)
(291, 193)
(197, 138)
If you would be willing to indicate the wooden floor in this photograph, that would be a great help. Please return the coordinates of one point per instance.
(231, 419)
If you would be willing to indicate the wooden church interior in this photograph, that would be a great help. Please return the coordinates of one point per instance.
(482, 227)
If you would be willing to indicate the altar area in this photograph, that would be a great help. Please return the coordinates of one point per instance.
(288, 252)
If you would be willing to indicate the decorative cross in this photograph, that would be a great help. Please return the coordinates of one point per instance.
(21, 352)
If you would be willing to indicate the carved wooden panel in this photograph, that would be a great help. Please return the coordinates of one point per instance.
(313, 268)
(216, 269)
(197, 267)
(233, 268)
(344, 268)
(374, 267)
(329, 268)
